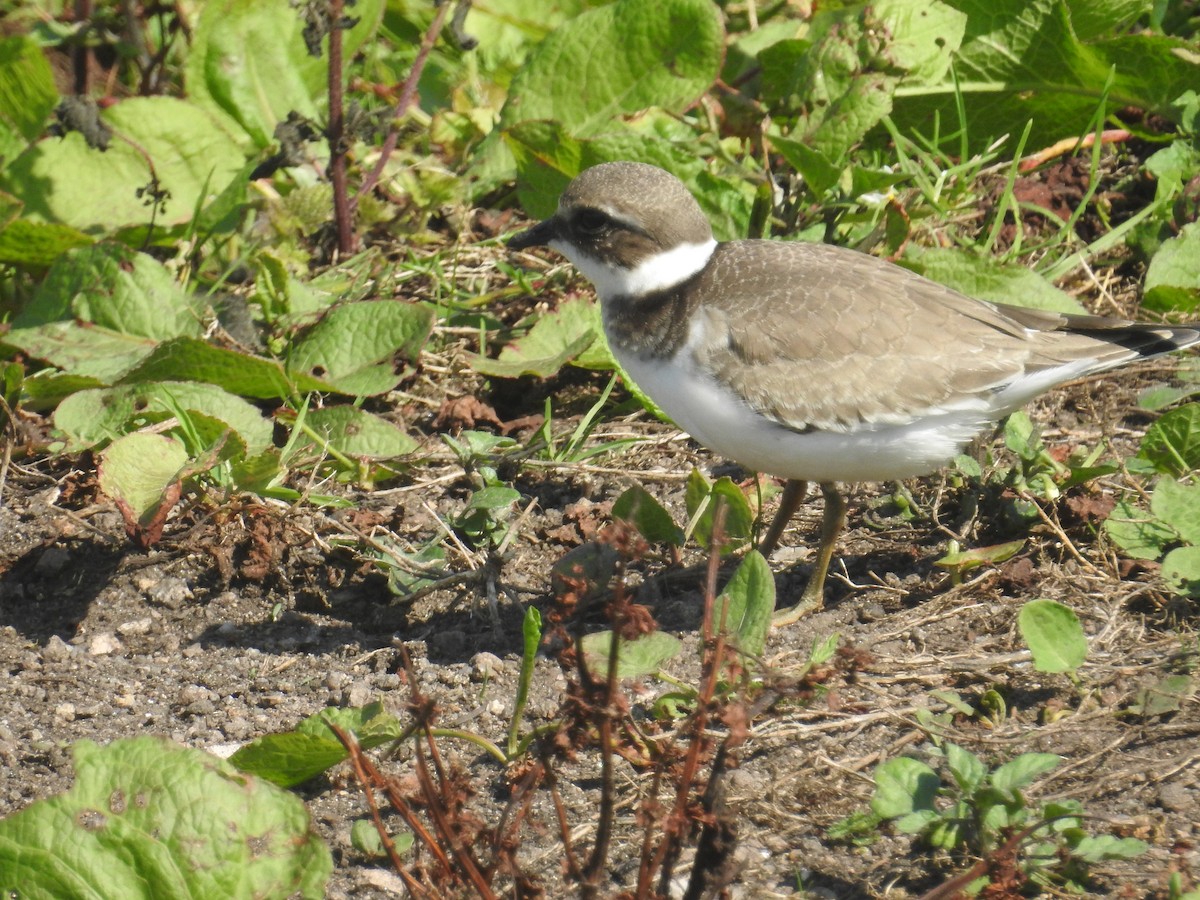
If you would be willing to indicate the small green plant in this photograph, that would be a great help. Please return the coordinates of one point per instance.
(1168, 527)
(980, 812)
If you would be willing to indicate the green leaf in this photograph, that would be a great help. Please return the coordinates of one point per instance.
(647, 515)
(36, 244)
(359, 434)
(289, 758)
(147, 818)
(352, 347)
(1022, 60)
(968, 769)
(492, 498)
(819, 173)
(138, 468)
(1097, 848)
(618, 60)
(634, 658)
(739, 518)
(27, 91)
(82, 351)
(1172, 444)
(1138, 533)
(1173, 276)
(840, 79)
(556, 339)
(982, 278)
(293, 757)
(1181, 571)
(193, 157)
(188, 359)
(248, 61)
(1054, 636)
(965, 560)
(113, 287)
(746, 605)
(1023, 771)
(1178, 506)
(904, 786)
(92, 417)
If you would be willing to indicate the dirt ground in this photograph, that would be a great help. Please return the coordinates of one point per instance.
(246, 619)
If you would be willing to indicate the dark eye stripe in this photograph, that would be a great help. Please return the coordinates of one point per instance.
(592, 221)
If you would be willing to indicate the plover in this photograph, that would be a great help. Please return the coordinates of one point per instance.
(811, 362)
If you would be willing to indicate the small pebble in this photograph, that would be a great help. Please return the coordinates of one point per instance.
(56, 649)
(486, 666)
(137, 626)
(103, 644)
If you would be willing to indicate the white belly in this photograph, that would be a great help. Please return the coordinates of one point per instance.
(725, 424)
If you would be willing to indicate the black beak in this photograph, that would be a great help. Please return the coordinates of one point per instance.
(539, 235)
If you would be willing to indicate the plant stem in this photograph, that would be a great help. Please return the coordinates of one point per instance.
(342, 211)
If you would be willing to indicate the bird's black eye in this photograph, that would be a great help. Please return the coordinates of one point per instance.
(591, 221)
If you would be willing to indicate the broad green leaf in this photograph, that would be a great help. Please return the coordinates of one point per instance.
(117, 288)
(290, 758)
(1173, 276)
(97, 416)
(1054, 636)
(904, 786)
(138, 468)
(647, 515)
(353, 347)
(556, 339)
(359, 434)
(818, 171)
(27, 91)
(293, 757)
(83, 351)
(1138, 532)
(1178, 506)
(746, 605)
(1172, 444)
(1021, 772)
(1022, 60)
(968, 769)
(147, 818)
(248, 61)
(1181, 571)
(643, 656)
(980, 277)
(618, 60)
(35, 244)
(193, 158)
(189, 359)
(1099, 847)
(840, 79)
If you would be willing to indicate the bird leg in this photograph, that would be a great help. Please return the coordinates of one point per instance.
(832, 522)
(793, 496)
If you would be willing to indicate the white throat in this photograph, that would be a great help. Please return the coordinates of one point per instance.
(656, 273)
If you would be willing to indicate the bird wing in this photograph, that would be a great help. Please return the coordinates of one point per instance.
(837, 340)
